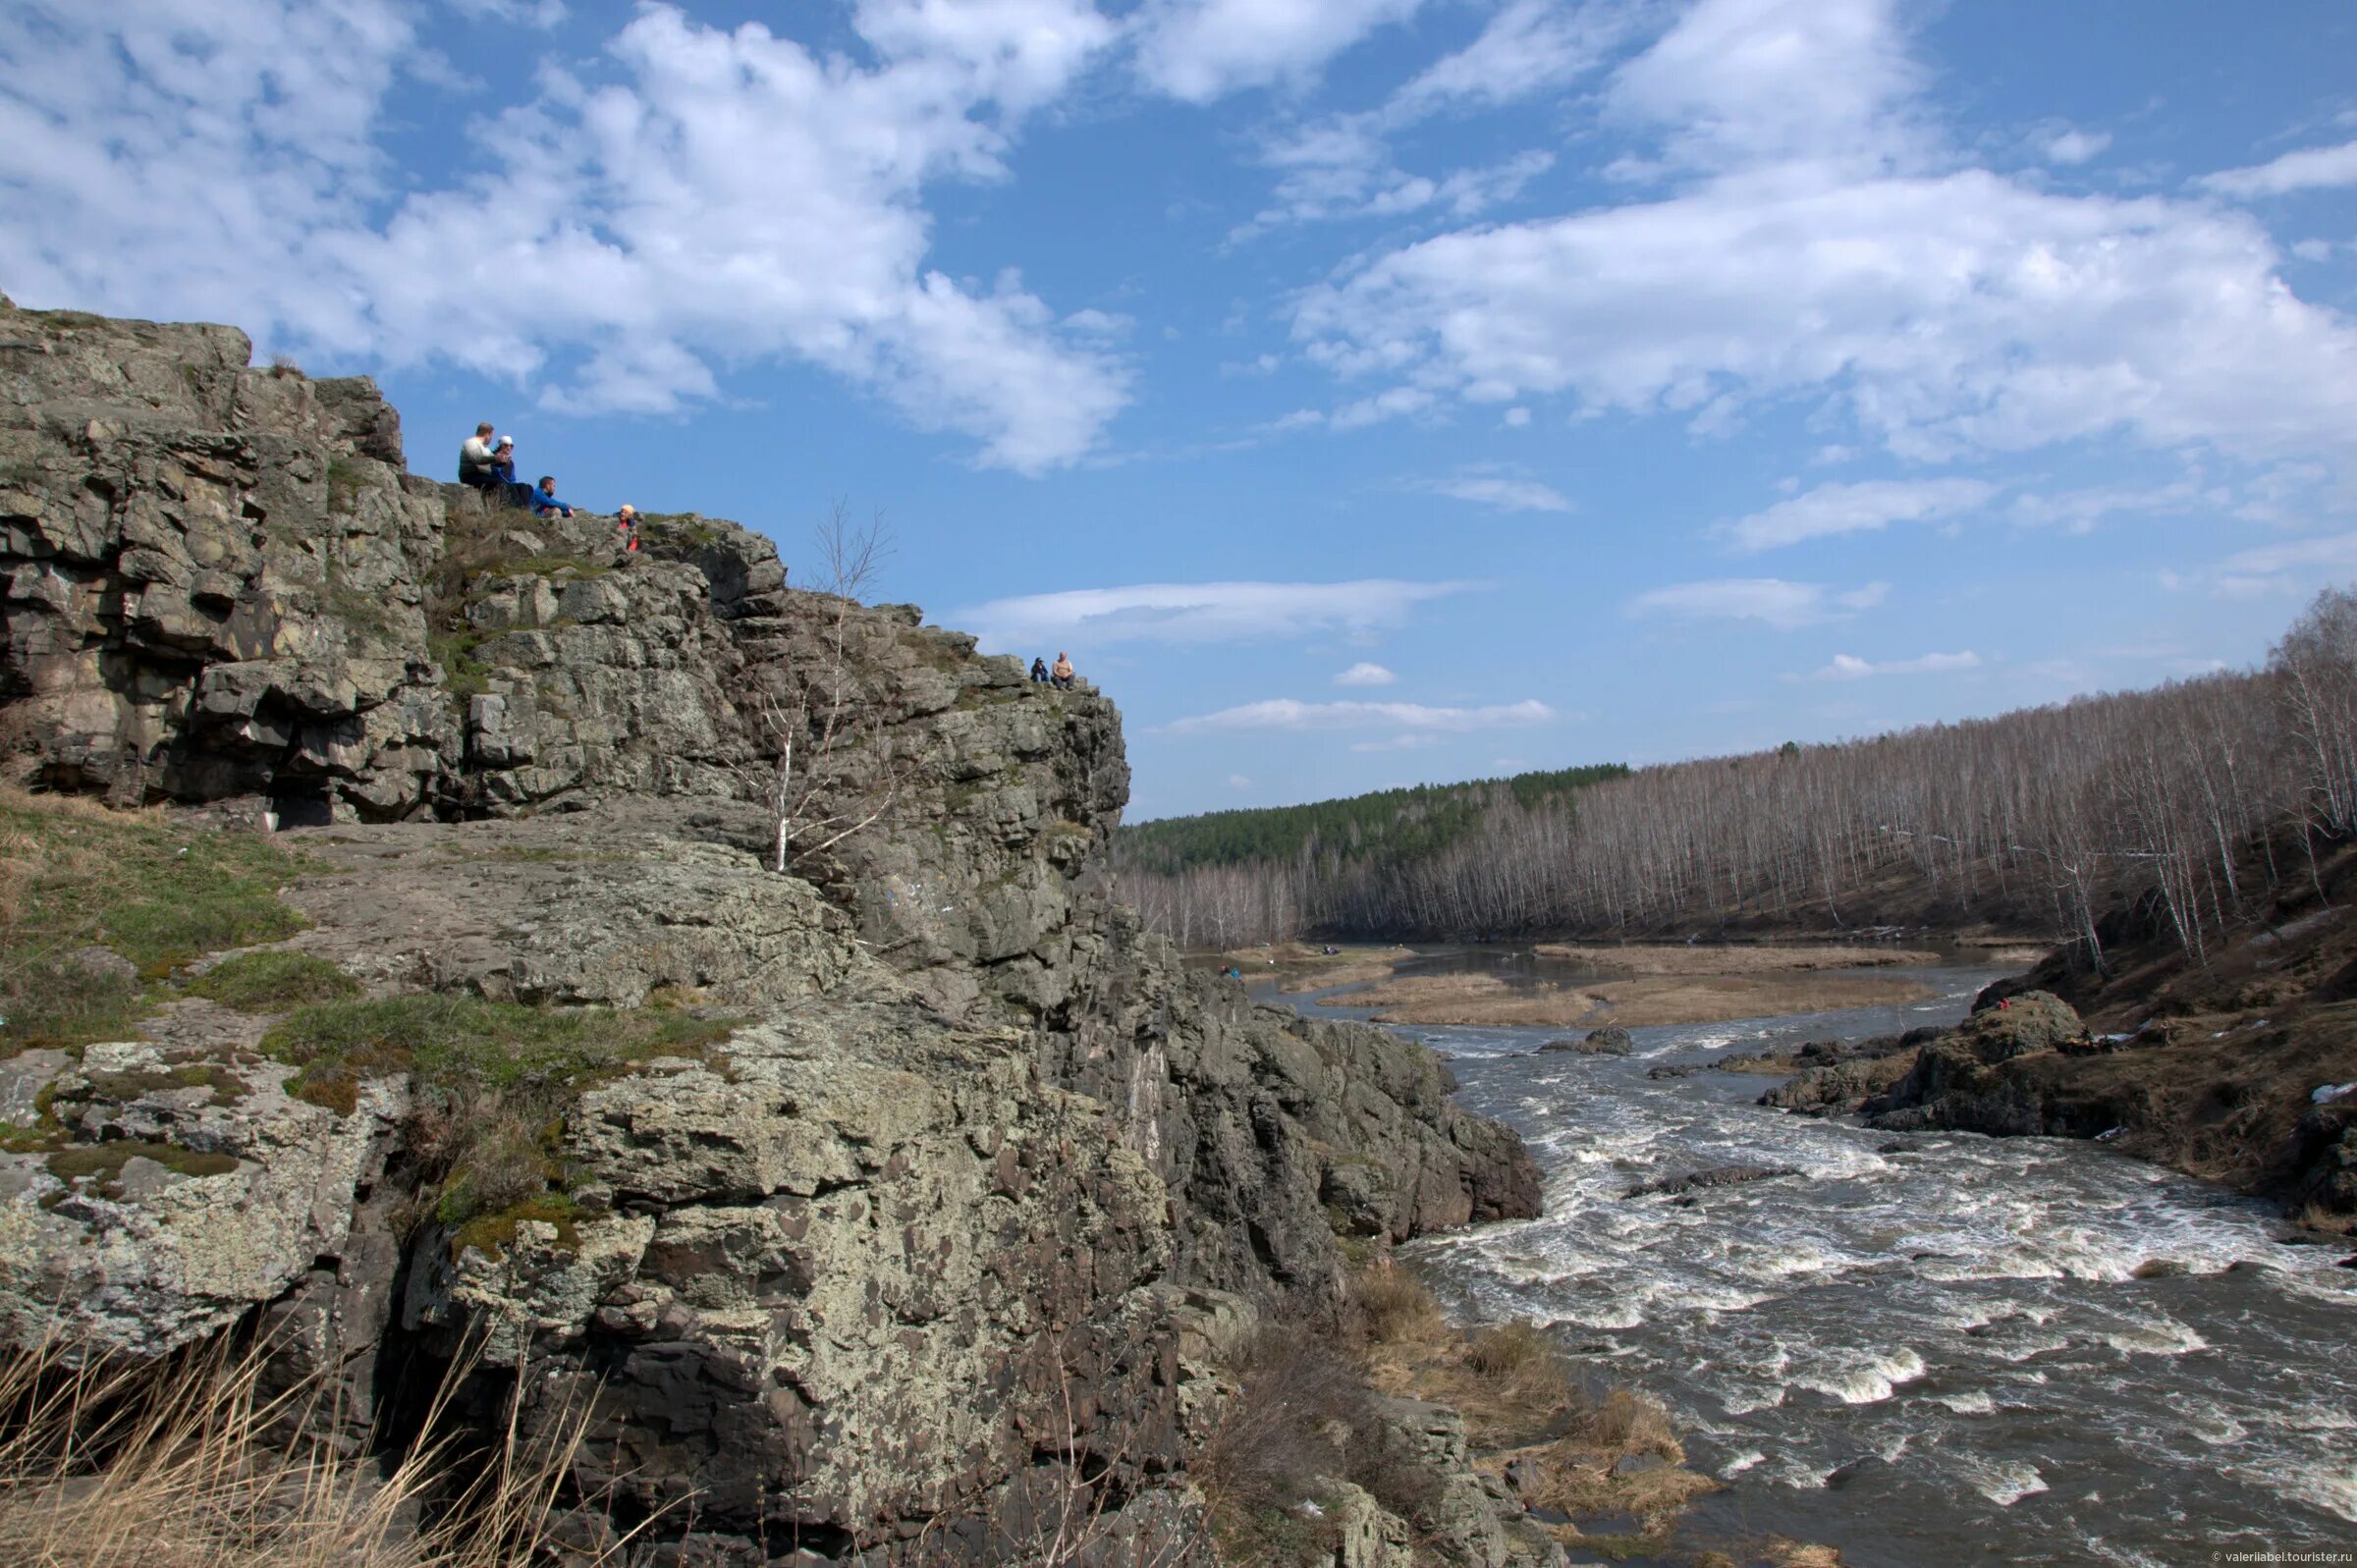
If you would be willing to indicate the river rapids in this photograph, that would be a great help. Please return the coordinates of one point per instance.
(1923, 1348)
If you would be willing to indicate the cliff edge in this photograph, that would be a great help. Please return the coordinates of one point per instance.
(866, 1205)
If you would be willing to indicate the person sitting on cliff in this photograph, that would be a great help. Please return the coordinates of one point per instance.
(478, 465)
(503, 464)
(544, 499)
(1039, 671)
(626, 525)
(1062, 676)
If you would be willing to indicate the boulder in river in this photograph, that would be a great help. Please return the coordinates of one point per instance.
(1714, 1176)
(1609, 1040)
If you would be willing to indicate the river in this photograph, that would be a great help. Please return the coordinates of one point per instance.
(1923, 1348)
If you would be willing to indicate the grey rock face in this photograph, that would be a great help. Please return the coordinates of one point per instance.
(958, 1226)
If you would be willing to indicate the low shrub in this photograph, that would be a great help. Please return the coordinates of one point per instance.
(1302, 1415)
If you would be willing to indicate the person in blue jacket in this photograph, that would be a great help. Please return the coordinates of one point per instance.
(544, 499)
(503, 467)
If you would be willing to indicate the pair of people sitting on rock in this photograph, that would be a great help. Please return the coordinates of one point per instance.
(1061, 678)
(489, 465)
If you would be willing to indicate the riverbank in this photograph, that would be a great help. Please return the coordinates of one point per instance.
(1492, 1001)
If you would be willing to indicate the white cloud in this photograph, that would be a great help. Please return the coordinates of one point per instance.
(541, 14)
(1342, 167)
(1285, 712)
(2308, 169)
(1528, 47)
(1201, 612)
(2293, 567)
(1364, 674)
(1824, 244)
(1236, 781)
(698, 199)
(2082, 510)
(1837, 508)
(2071, 145)
(1507, 495)
(1757, 81)
(1199, 49)
(1517, 418)
(1850, 666)
(1769, 599)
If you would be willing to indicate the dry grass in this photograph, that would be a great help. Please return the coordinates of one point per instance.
(183, 1464)
(1390, 1307)
(1522, 1402)
(1508, 1351)
(1491, 1001)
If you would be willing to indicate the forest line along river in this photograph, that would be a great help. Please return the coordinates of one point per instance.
(1923, 1348)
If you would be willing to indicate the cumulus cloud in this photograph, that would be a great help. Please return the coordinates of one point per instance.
(1364, 674)
(1850, 666)
(1837, 508)
(1285, 712)
(1817, 242)
(693, 199)
(1505, 494)
(2307, 169)
(1200, 611)
(2296, 565)
(1202, 49)
(1772, 601)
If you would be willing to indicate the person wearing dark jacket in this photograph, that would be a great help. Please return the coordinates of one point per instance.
(1039, 671)
(544, 499)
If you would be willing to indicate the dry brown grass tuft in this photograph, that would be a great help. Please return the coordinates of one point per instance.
(106, 1463)
(1392, 1307)
(1509, 1351)
(1621, 1421)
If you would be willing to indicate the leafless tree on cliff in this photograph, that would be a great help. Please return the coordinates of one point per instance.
(849, 778)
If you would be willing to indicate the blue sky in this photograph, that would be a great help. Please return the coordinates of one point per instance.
(1362, 391)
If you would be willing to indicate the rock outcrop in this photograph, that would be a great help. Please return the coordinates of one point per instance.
(968, 1191)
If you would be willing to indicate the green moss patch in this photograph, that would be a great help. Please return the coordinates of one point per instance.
(272, 981)
(74, 875)
(104, 1161)
(468, 1044)
(491, 1082)
(492, 1234)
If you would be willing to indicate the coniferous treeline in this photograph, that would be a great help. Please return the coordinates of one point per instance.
(2189, 804)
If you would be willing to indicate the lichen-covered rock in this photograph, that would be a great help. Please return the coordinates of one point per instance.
(184, 1194)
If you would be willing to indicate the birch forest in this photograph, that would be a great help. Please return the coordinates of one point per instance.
(2183, 809)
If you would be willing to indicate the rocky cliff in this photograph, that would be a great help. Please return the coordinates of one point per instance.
(878, 1207)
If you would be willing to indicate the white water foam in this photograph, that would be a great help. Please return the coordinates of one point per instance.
(1868, 1383)
(2003, 1482)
